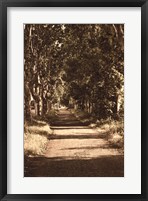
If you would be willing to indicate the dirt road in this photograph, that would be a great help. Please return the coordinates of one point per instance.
(76, 150)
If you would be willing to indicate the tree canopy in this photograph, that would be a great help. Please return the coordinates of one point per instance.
(80, 65)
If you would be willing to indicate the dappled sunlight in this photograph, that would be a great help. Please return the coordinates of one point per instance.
(75, 143)
(39, 129)
(75, 150)
(74, 100)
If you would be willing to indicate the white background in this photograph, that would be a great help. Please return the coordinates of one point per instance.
(131, 182)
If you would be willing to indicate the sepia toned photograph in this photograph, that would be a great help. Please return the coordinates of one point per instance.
(73, 100)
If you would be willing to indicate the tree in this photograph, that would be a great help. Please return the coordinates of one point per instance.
(83, 63)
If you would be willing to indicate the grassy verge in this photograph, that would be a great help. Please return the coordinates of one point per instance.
(36, 136)
(112, 130)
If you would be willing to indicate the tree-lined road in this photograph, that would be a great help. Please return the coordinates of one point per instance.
(76, 150)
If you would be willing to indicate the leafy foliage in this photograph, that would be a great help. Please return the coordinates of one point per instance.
(75, 64)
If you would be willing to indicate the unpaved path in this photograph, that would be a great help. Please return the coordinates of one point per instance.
(76, 150)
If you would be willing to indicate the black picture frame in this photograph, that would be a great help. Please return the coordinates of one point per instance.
(4, 4)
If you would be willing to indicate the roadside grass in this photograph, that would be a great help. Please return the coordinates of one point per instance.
(36, 135)
(110, 129)
(114, 130)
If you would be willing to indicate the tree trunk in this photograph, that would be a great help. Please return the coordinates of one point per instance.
(27, 100)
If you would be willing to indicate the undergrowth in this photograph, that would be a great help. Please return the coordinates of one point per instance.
(36, 135)
(112, 130)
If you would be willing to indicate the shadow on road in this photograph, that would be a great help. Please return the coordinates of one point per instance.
(84, 136)
(103, 166)
(75, 150)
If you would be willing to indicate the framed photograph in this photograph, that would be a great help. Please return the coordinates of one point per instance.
(73, 107)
